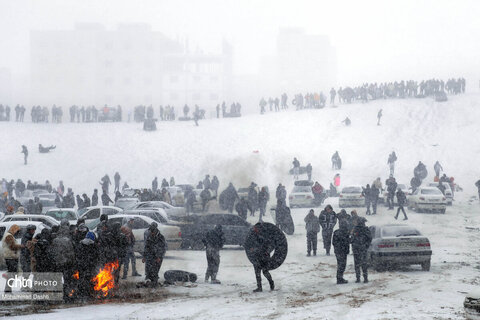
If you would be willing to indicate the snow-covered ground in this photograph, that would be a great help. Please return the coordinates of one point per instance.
(416, 129)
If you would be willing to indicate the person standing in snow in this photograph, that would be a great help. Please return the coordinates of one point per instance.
(477, 184)
(391, 188)
(95, 198)
(309, 171)
(361, 239)
(213, 241)
(402, 200)
(153, 253)
(312, 225)
(116, 178)
(379, 116)
(106, 199)
(25, 154)
(437, 167)
(155, 184)
(341, 247)
(367, 193)
(374, 193)
(328, 220)
(296, 168)
(391, 162)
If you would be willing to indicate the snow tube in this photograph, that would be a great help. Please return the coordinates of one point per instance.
(287, 225)
(179, 275)
(262, 239)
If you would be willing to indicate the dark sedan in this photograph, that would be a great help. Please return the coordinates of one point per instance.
(195, 228)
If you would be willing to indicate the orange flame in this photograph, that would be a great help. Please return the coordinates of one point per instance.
(104, 280)
(76, 275)
(71, 293)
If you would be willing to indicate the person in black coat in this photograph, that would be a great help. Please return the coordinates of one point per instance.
(154, 251)
(252, 198)
(402, 201)
(309, 171)
(341, 246)
(242, 208)
(41, 251)
(116, 179)
(262, 250)
(328, 220)
(231, 196)
(25, 258)
(361, 239)
(214, 240)
(80, 202)
(95, 198)
(262, 201)
(87, 260)
(155, 184)
(86, 201)
(367, 193)
(374, 194)
(25, 154)
(391, 184)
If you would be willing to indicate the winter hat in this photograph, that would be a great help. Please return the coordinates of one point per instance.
(90, 235)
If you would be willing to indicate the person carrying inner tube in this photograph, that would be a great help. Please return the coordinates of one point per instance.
(262, 256)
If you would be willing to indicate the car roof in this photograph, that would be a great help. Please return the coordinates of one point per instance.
(21, 223)
(99, 207)
(428, 188)
(126, 216)
(62, 209)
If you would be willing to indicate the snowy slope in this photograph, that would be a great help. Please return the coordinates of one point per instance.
(415, 129)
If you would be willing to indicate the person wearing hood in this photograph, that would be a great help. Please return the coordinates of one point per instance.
(153, 253)
(28, 244)
(80, 202)
(130, 254)
(361, 239)
(86, 200)
(106, 199)
(87, 259)
(11, 251)
(252, 198)
(312, 226)
(341, 247)
(214, 240)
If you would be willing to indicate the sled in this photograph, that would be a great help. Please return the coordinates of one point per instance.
(149, 125)
(172, 276)
(266, 237)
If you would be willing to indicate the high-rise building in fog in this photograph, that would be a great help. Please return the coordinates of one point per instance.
(305, 63)
(128, 66)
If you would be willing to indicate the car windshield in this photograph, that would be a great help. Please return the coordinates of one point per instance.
(301, 189)
(59, 215)
(431, 191)
(352, 190)
(399, 231)
(81, 211)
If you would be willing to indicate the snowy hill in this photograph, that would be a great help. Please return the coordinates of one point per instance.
(416, 129)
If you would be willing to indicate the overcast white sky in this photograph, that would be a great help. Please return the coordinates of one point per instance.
(375, 39)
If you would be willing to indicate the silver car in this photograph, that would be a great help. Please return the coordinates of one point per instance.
(301, 196)
(351, 197)
(398, 244)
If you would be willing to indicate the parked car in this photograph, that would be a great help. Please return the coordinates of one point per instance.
(126, 202)
(448, 191)
(234, 228)
(141, 223)
(4, 226)
(157, 214)
(92, 213)
(172, 212)
(398, 244)
(472, 305)
(47, 200)
(301, 196)
(351, 196)
(47, 220)
(427, 199)
(403, 187)
(63, 213)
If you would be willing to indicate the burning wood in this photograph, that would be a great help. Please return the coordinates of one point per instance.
(105, 279)
(76, 275)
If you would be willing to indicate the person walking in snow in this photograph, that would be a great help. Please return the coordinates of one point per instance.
(401, 200)
(437, 167)
(213, 241)
(477, 184)
(296, 168)
(328, 220)
(312, 225)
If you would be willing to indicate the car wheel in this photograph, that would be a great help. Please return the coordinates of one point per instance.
(426, 265)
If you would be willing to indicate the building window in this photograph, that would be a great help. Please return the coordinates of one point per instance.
(213, 96)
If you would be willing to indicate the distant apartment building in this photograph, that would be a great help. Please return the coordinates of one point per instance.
(129, 66)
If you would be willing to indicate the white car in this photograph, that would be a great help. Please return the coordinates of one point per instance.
(171, 211)
(92, 213)
(397, 244)
(172, 234)
(126, 202)
(402, 187)
(47, 200)
(351, 196)
(301, 196)
(448, 191)
(427, 198)
(63, 213)
(157, 214)
(47, 220)
(4, 226)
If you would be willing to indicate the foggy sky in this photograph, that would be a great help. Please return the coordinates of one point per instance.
(375, 40)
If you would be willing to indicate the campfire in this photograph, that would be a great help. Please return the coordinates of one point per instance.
(105, 279)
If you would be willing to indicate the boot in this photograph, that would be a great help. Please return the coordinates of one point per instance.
(314, 252)
(259, 289)
(214, 279)
(136, 274)
(124, 276)
(365, 279)
(341, 281)
(206, 277)
(358, 280)
(308, 254)
(272, 285)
